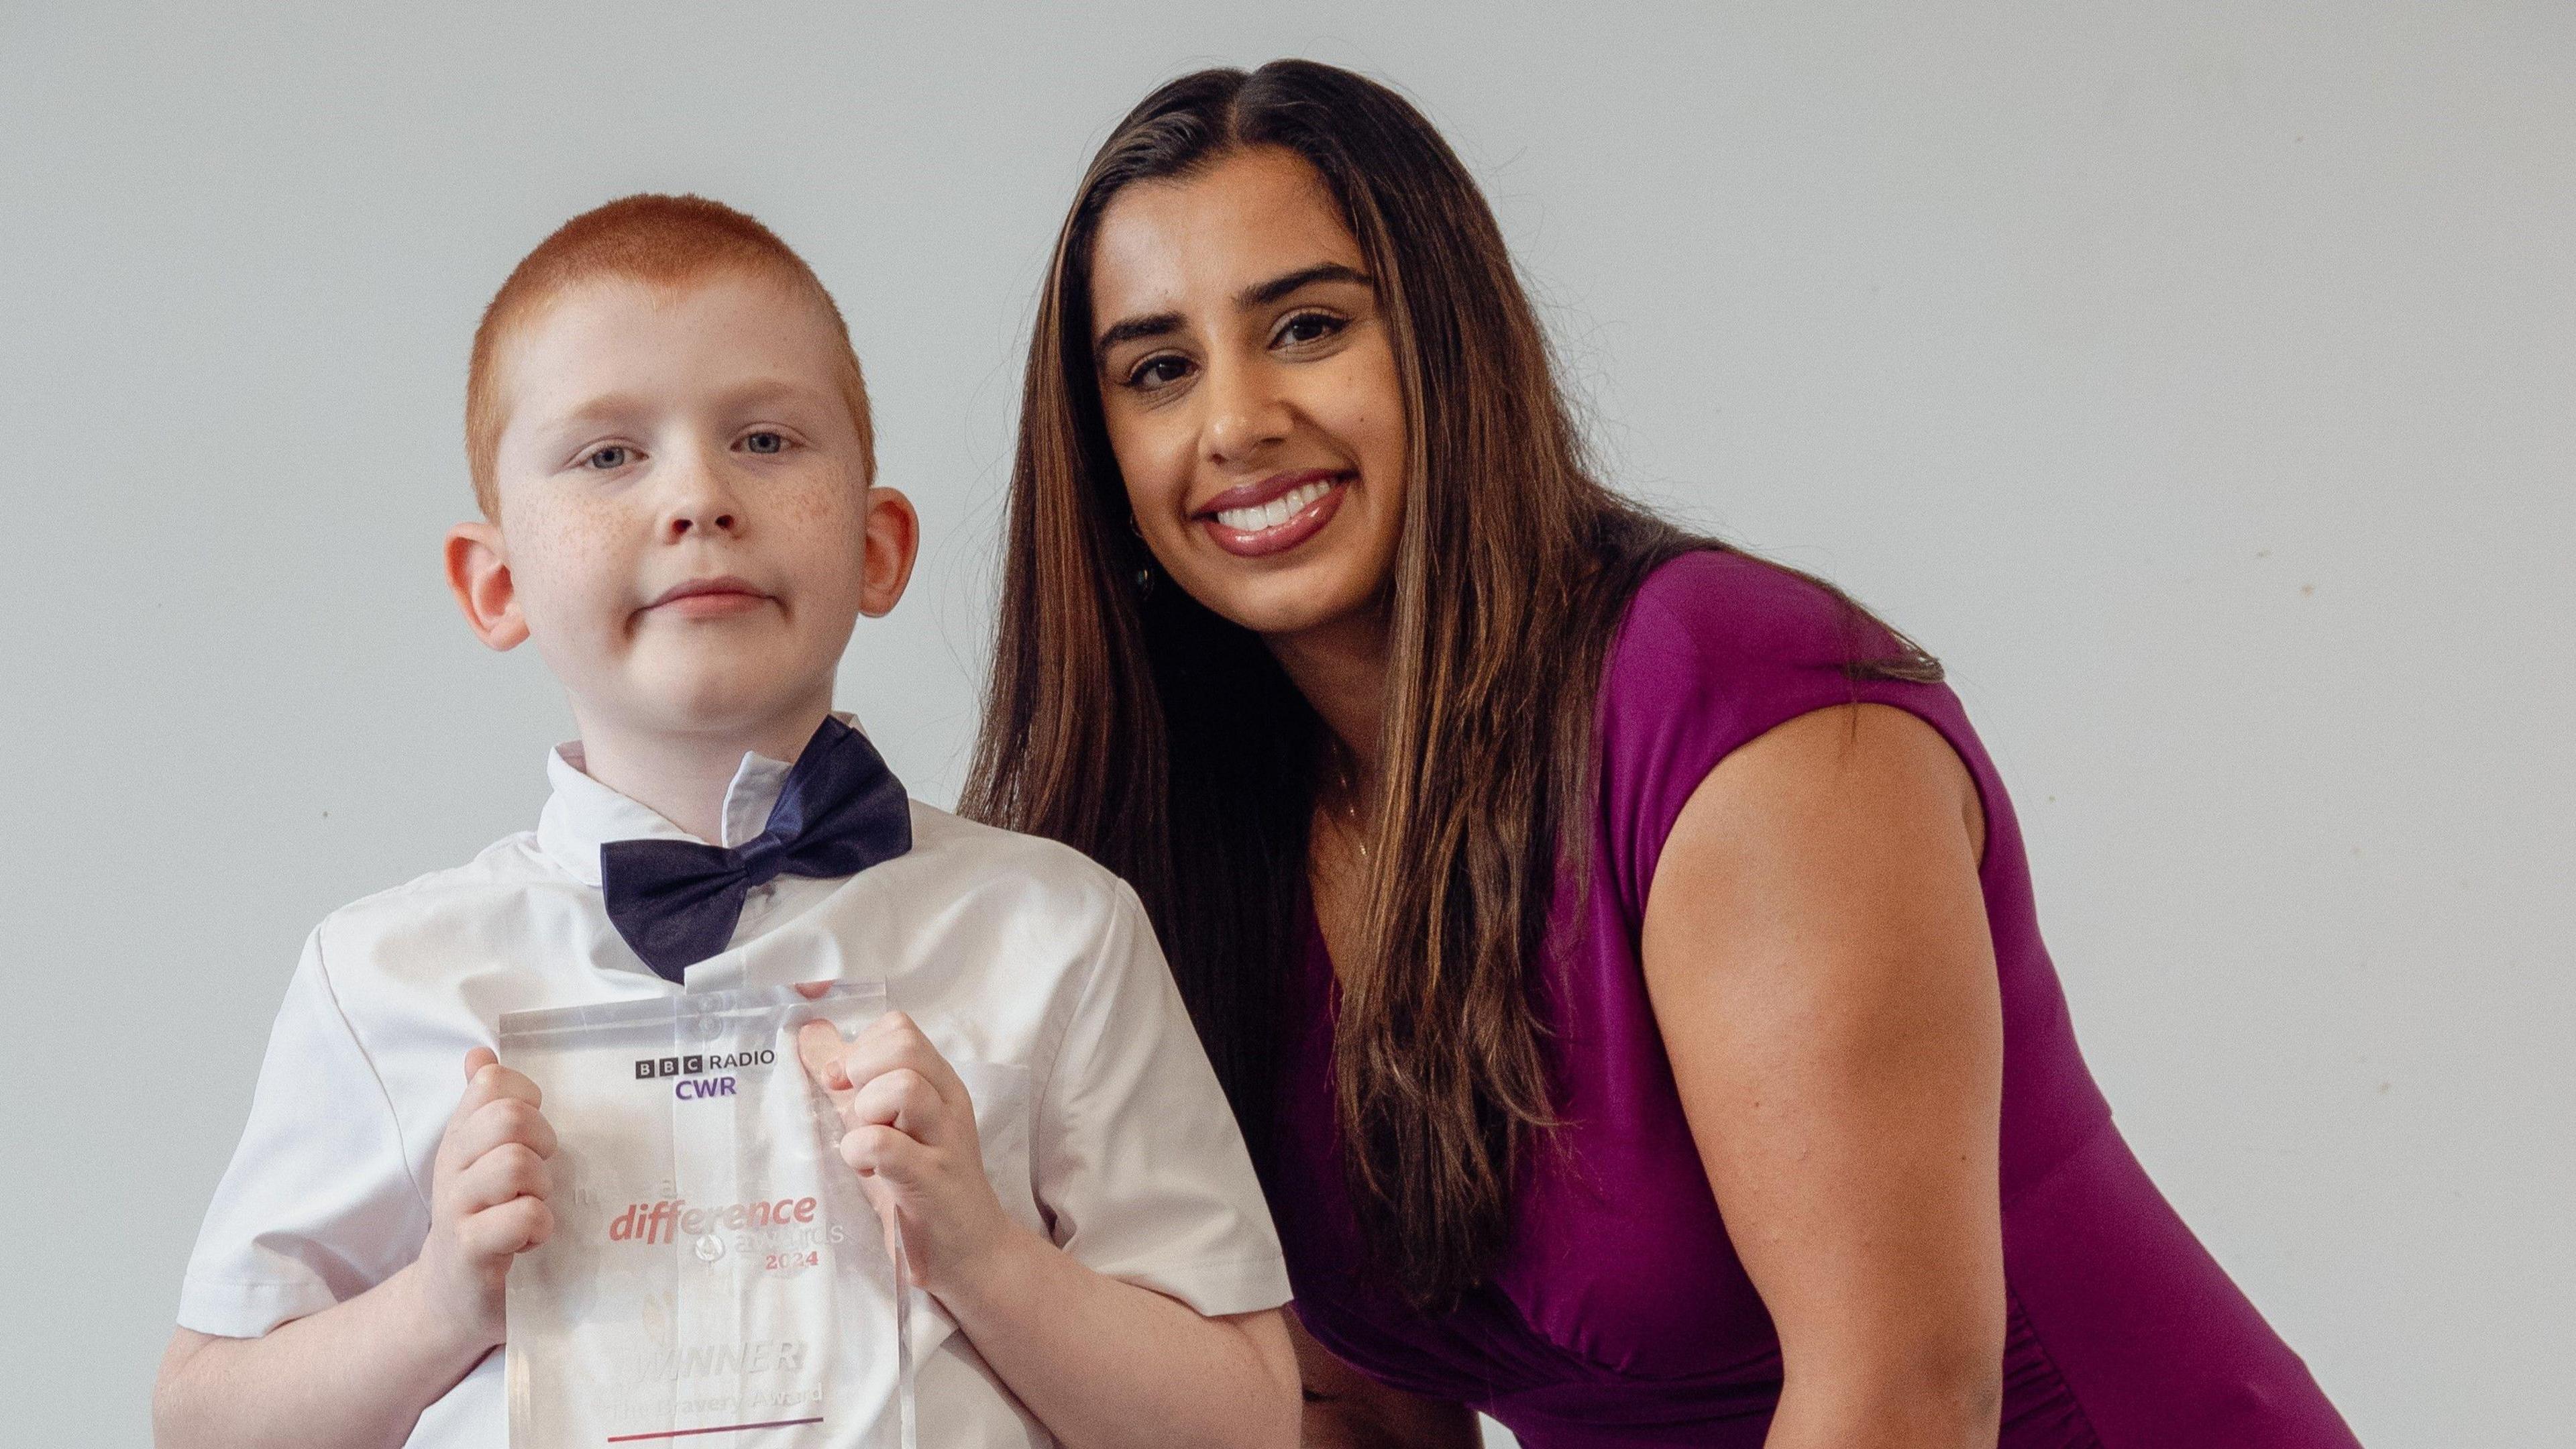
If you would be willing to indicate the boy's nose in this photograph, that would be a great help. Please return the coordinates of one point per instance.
(686, 520)
(701, 500)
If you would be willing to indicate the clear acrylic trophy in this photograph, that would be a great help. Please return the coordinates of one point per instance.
(716, 1278)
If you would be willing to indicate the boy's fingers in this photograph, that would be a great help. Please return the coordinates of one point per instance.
(893, 1043)
(502, 1120)
(514, 1226)
(884, 1154)
(904, 1100)
(511, 1170)
(477, 1062)
(820, 1048)
(490, 1081)
(812, 990)
(505, 1082)
(881, 1201)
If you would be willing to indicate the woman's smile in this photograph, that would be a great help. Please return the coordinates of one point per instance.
(1249, 392)
(1274, 515)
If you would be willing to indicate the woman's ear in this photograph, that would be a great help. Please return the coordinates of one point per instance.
(893, 540)
(478, 573)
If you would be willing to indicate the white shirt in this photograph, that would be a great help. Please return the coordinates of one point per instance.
(1033, 970)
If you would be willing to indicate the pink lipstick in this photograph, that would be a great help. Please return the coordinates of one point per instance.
(1254, 520)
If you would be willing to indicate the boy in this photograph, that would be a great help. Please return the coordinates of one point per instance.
(671, 445)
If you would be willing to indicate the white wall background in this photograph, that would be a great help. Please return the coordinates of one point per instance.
(2195, 378)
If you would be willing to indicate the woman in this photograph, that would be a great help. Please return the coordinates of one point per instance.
(1619, 950)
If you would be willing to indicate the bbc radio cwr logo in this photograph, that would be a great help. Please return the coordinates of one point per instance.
(695, 1084)
(647, 1068)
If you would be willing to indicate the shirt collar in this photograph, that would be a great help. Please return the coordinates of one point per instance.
(582, 815)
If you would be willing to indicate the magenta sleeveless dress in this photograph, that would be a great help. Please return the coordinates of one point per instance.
(1619, 1316)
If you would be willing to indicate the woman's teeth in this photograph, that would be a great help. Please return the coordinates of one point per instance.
(1275, 512)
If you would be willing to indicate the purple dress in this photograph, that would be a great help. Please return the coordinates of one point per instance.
(1619, 1314)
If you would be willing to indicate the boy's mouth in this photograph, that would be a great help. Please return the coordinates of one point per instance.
(708, 598)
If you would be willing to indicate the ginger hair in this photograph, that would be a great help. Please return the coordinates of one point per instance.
(659, 240)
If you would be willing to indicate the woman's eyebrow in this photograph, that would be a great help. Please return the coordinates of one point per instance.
(1262, 294)
(1160, 324)
(1259, 294)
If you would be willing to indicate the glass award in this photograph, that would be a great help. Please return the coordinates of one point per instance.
(716, 1278)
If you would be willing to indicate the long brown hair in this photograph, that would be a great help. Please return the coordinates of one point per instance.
(1167, 743)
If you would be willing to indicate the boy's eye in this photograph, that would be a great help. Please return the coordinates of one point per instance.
(612, 456)
(765, 443)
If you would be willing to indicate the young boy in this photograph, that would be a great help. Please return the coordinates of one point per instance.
(671, 445)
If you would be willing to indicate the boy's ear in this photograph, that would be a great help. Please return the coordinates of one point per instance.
(478, 572)
(893, 540)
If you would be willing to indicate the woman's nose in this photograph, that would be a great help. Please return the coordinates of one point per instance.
(1245, 413)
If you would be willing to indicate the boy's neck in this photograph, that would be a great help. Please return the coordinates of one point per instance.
(683, 777)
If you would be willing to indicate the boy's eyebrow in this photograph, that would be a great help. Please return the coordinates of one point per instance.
(606, 407)
(1259, 294)
(770, 389)
(612, 407)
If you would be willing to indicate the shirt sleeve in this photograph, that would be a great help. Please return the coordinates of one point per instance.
(320, 1203)
(1138, 1157)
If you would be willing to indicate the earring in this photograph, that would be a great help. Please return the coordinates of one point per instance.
(1145, 574)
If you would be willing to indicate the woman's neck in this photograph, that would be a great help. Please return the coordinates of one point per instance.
(1341, 669)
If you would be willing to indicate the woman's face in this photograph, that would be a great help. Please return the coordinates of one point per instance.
(1250, 391)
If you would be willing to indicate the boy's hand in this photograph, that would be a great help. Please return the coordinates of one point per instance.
(910, 1132)
(487, 1199)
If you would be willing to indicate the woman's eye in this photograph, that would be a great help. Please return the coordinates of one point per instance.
(612, 456)
(764, 443)
(1309, 327)
(1156, 372)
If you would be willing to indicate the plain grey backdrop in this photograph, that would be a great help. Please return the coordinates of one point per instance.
(2194, 378)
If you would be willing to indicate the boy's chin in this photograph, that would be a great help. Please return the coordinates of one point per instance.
(724, 700)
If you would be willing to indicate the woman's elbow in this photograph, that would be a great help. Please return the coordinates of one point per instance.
(1971, 1399)
(1949, 1395)
(1933, 1400)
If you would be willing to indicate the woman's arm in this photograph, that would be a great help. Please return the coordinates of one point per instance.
(1346, 1409)
(1817, 954)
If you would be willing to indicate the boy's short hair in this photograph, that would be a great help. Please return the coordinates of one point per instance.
(664, 241)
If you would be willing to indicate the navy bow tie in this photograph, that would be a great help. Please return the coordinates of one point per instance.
(839, 812)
